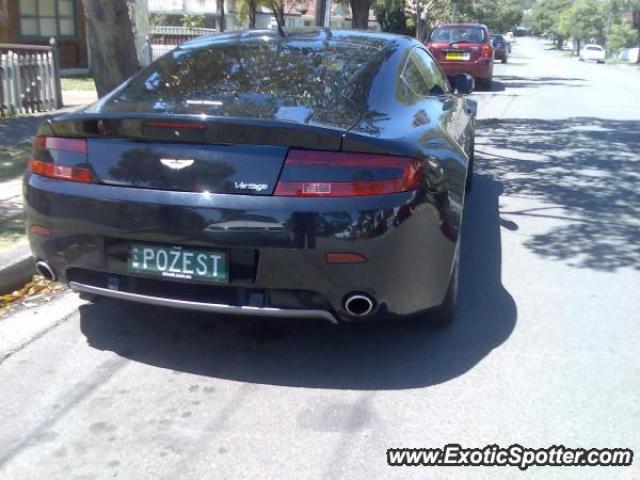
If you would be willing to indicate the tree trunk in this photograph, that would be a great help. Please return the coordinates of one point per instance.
(578, 42)
(321, 9)
(112, 41)
(221, 19)
(422, 23)
(278, 11)
(253, 7)
(360, 14)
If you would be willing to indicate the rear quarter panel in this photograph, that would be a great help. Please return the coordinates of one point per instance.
(438, 129)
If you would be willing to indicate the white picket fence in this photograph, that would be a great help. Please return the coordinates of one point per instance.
(29, 79)
(163, 39)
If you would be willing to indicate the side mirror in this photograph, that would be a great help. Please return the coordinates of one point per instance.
(464, 84)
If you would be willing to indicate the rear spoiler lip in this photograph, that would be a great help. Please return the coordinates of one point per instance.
(231, 130)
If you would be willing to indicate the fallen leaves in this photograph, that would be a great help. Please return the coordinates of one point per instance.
(35, 293)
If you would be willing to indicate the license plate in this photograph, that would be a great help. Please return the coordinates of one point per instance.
(179, 263)
(457, 56)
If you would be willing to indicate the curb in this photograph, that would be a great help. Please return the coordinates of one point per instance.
(16, 268)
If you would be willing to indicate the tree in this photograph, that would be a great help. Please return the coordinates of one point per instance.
(545, 18)
(116, 31)
(278, 11)
(498, 15)
(221, 17)
(633, 6)
(249, 8)
(622, 36)
(582, 21)
(423, 14)
(391, 16)
(360, 13)
(192, 21)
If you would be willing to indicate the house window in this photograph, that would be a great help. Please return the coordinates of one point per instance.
(47, 18)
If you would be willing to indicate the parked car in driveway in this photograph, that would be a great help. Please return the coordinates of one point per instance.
(501, 48)
(464, 48)
(592, 53)
(321, 174)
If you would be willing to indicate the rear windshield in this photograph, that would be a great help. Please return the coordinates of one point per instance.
(597, 49)
(498, 39)
(458, 33)
(258, 78)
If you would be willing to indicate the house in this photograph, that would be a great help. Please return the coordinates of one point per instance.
(34, 22)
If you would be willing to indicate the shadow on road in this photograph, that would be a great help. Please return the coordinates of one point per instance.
(317, 355)
(586, 169)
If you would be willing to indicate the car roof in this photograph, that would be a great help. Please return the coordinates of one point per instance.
(367, 38)
(462, 24)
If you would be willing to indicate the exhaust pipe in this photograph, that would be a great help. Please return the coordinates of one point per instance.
(45, 270)
(358, 305)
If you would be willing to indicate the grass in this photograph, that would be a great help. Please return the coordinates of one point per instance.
(13, 160)
(84, 83)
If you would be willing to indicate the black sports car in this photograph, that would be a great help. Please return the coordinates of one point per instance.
(316, 173)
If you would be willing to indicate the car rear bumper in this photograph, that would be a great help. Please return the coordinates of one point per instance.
(479, 69)
(276, 246)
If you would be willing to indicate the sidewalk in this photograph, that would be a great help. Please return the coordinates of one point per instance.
(16, 135)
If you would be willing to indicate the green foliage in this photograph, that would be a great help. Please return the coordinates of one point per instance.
(158, 19)
(391, 16)
(498, 15)
(192, 21)
(545, 16)
(248, 9)
(582, 21)
(622, 35)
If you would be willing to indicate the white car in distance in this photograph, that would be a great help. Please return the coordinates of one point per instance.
(592, 53)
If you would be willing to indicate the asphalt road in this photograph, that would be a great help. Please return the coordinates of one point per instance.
(545, 350)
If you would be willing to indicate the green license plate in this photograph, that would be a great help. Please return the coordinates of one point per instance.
(179, 263)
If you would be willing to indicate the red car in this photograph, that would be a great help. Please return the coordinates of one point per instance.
(464, 48)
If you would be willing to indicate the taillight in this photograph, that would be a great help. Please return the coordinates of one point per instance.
(57, 157)
(338, 174)
(487, 51)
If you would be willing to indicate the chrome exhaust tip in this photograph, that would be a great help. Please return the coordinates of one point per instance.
(45, 270)
(358, 305)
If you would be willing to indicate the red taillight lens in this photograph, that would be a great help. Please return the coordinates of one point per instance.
(62, 172)
(345, 258)
(48, 158)
(487, 51)
(338, 174)
(78, 145)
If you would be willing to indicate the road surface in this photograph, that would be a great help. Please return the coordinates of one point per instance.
(545, 350)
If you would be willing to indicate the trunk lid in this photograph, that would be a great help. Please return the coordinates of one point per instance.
(239, 169)
(191, 153)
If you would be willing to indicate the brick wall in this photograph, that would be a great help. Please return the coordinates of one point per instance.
(73, 52)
